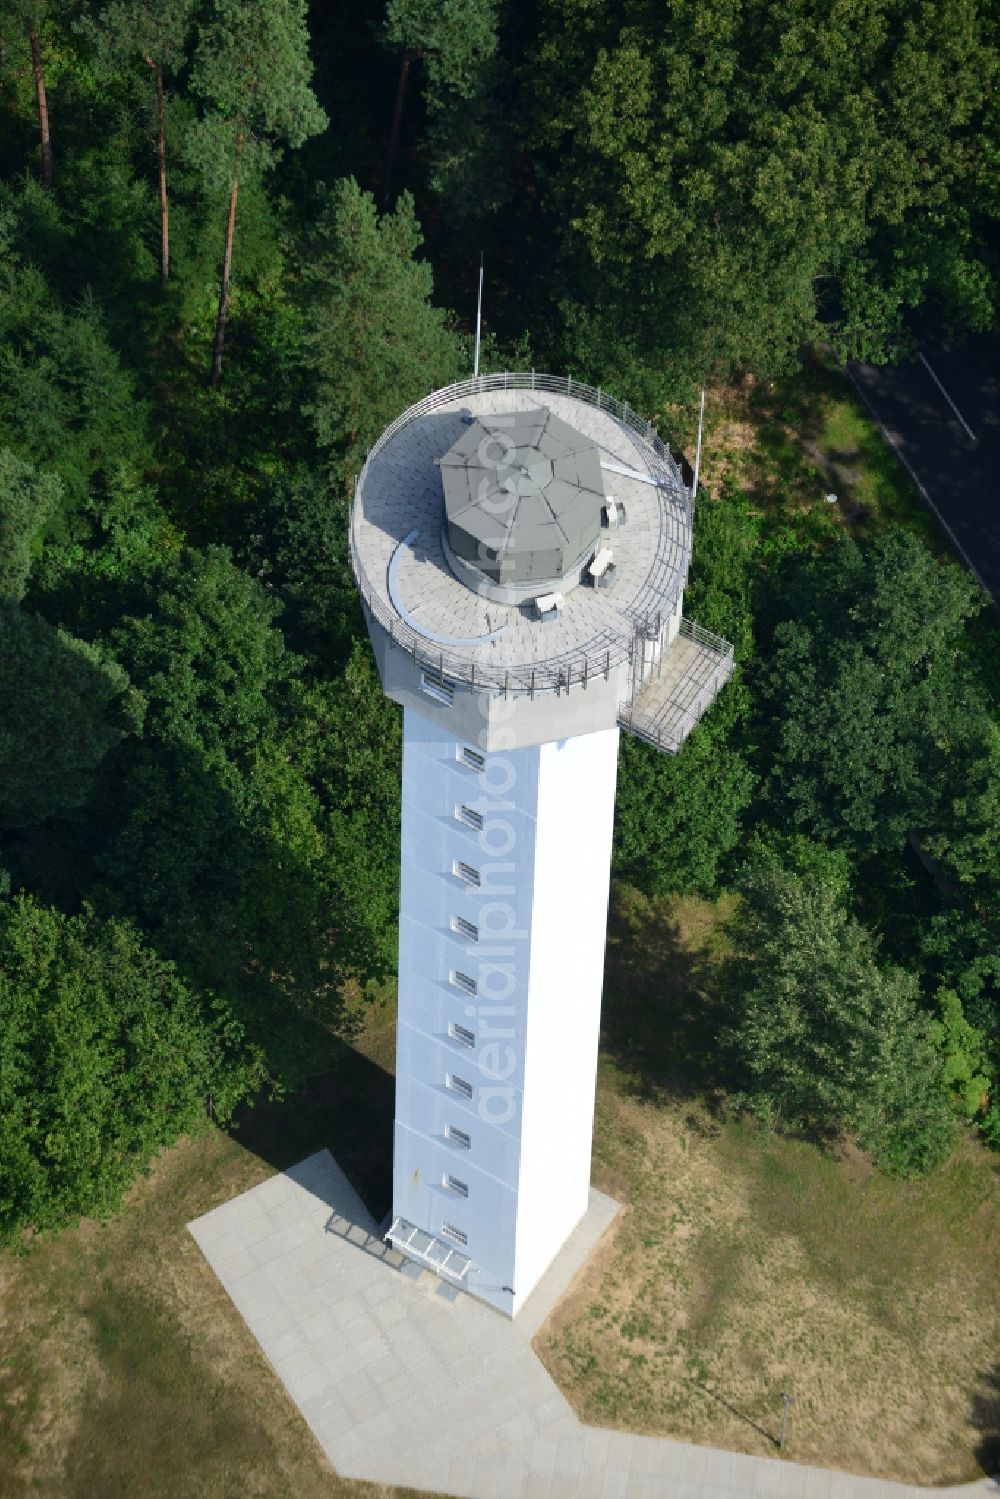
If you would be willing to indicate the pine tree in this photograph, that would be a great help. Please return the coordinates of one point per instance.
(252, 73)
(154, 31)
(376, 341)
(22, 21)
(453, 39)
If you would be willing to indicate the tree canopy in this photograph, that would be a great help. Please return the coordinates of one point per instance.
(738, 178)
(875, 699)
(377, 342)
(206, 655)
(65, 705)
(251, 71)
(107, 1056)
(823, 1035)
(27, 501)
(453, 39)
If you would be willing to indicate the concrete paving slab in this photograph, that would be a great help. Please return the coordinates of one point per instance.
(614, 1484)
(376, 1359)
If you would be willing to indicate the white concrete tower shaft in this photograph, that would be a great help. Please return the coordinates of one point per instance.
(503, 909)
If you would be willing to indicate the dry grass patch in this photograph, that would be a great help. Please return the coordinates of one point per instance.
(789, 442)
(749, 1265)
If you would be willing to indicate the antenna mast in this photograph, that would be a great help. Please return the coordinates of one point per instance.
(697, 455)
(479, 318)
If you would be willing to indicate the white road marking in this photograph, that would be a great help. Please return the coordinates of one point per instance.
(947, 397)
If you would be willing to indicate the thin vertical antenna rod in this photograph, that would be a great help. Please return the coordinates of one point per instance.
(479, 318)
(697, 454)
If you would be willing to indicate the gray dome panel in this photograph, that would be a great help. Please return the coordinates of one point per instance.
(523, 493)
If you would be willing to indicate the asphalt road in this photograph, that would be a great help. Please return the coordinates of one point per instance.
(942, 415)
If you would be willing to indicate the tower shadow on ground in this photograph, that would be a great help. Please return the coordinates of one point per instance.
(348, 1110)
(661, 1012)
(986, 1418)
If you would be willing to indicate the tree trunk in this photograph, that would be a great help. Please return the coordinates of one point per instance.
(43, 108)
(397, 120)
(161, 159)
(227, 261)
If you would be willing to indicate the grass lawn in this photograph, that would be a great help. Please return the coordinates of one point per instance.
(748, 1265)
(126, 1372)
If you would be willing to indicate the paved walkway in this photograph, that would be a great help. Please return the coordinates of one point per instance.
(404, 1382)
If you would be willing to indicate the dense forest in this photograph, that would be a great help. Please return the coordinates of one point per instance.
(237, 238)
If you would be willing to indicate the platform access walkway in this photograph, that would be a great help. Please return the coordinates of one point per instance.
(410, 1382)
(682, 685)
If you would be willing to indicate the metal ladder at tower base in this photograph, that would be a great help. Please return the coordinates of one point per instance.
(418, 1245)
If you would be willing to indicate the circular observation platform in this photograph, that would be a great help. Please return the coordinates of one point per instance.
(450, 626)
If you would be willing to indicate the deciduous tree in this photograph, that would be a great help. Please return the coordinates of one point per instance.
(212, 831)
(677, 817)
(65, 705)
(296, 539)
(964, 1055)
(107, 1055)
(27, 500)
(206, 655)
(724, 181)
(865, 690)
(822, 1035)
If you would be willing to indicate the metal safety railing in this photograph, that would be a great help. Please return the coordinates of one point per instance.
(665, 718)
(562, 385)
(611, 648)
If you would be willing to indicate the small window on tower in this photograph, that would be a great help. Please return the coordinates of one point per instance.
(459, 1085)
(458, 1137)
(435, 686)
(470, 817)
(471, 758)
(462, 1034)
(464, 982)
(455, 1185)
(466, 872)
(451, 1232)
(465, 928)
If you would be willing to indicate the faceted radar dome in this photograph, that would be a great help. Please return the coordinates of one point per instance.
(522, 503)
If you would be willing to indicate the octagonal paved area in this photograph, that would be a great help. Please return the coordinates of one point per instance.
(405, 1382)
